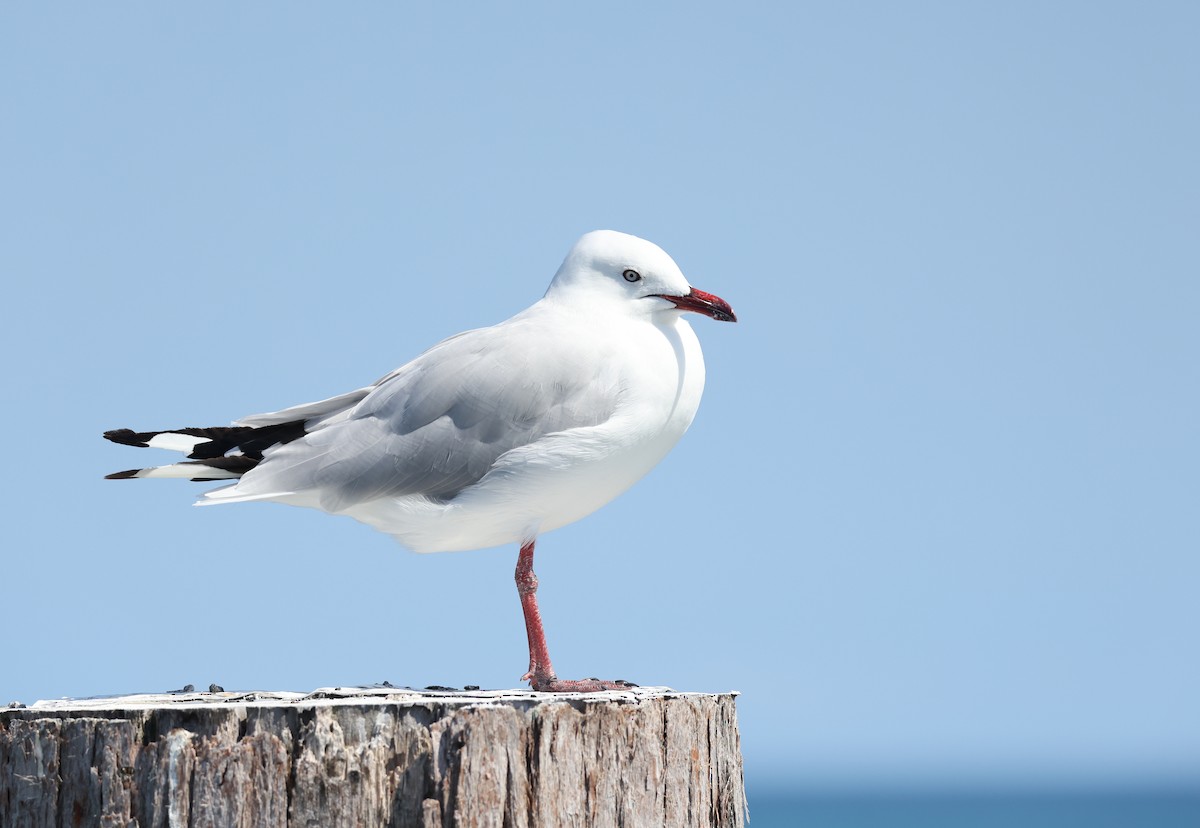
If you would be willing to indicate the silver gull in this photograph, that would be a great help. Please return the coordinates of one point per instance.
(493, 436)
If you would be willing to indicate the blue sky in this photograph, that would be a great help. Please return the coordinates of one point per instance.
(938, 515)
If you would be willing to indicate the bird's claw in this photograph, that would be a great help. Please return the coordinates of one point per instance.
(553, 684)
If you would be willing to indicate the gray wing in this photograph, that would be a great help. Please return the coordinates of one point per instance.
(436, 425)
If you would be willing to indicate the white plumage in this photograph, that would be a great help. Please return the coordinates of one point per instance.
(492, 436)
(498, 434)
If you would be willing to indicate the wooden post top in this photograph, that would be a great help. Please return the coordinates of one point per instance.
(375, 756)
(335, 696)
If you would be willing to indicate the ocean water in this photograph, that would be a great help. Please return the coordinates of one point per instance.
(1169, 809)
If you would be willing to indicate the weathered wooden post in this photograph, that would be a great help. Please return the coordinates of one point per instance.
(374, 757)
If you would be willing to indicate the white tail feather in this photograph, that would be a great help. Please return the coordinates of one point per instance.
(228, 494)
(172, 441)
(188, 471)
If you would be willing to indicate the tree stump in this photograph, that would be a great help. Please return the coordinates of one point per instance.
(374, 757)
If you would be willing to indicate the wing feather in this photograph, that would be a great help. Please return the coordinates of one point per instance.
(439, 423)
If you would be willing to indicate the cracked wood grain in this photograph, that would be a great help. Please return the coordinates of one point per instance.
(429, 760)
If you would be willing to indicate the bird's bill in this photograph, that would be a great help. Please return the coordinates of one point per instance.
(701, 302)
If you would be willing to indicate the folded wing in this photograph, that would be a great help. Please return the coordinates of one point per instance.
(432, 427)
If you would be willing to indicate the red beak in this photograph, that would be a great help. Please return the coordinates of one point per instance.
(701, 302)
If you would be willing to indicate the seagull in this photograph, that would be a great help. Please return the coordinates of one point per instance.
(493, 436)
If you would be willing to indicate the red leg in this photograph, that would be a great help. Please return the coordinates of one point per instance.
(541, 672)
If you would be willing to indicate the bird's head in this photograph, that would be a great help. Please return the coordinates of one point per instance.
(607, 266)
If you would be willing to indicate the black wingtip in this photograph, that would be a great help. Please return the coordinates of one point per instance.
(126, 437)
(128, 474)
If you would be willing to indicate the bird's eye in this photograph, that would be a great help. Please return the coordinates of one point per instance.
(632, 276)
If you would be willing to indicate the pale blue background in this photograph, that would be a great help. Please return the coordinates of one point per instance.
(938, 516)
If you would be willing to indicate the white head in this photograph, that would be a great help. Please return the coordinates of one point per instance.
(607, 266)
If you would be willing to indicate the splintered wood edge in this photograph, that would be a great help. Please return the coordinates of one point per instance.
(340, 696)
